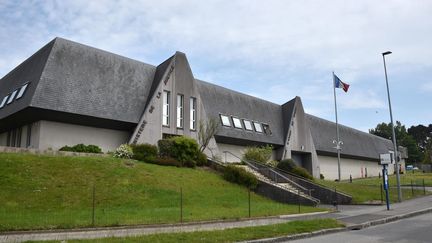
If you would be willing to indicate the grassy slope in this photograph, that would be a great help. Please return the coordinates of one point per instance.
(56, 192)
(230, 235)
(368, 189)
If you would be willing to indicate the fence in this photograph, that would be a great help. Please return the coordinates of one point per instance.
(94, 207)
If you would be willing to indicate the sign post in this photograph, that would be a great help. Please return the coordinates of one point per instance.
(385, 160)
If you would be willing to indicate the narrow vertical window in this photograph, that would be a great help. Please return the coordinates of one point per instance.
(166, 108)
(21, 91)
(3, 103)
(193, 113)
(28, 143)
(11, 97)
(180, 105)
(18, 139)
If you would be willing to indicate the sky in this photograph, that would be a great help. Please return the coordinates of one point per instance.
(274, 50)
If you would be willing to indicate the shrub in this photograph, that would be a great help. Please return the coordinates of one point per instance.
(240, 176)
(123, 151)
(321, 176)
(165, 147)
(66, 148)
(201, 159)
(185, 150)
(144, 152)
(286, 165)
(300, 171)
(259, 154)
(81, 148)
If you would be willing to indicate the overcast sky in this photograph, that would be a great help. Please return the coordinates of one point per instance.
(274, 50)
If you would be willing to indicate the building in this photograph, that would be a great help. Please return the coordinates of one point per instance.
(68, 93)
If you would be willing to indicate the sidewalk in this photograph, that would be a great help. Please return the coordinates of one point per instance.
(355, 217)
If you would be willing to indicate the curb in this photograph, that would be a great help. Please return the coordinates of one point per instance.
(337, 230)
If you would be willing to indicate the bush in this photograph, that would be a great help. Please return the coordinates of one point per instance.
(321, 176)
(300, 171)
(81, 148)
(165, 147)
(286, 165)
(201, 159)
(259, 154)
(144, 152)
(289, 166)
(185, 150)
(123, 151)
(240, 176)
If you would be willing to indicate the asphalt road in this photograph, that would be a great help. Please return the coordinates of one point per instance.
(410, 230)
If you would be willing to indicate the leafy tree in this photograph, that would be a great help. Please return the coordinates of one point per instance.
(402, 138)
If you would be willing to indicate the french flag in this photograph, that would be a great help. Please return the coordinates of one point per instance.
(339, 84)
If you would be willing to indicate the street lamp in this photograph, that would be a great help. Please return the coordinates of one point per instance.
(393, 130)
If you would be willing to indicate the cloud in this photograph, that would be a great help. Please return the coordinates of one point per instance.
(427, 87)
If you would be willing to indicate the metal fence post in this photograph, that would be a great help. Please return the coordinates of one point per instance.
(298, 198)
(181, 205)
(93, 205)
(249, 199)
(412, 188)
(381, 190)
(424, 188)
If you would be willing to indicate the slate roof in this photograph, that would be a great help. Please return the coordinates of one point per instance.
(219, 100)
(79, 79)
(355, 143)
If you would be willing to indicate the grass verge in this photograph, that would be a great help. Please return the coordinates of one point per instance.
(46, 192)
(230, 235)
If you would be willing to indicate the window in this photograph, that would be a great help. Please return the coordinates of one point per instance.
(22, 90)
(166, 108)
(11, 97)
(180, 105)
(248, 125)
(4, 101)
(193, 113)
(28, 143)
(266, 128)
(237, 123)
(257, 127)
(225, 121)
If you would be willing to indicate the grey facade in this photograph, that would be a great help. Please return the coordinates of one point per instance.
(108, 99)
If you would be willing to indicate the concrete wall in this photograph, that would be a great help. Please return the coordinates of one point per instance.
(356, 168)
(55, 135)
(3, 139)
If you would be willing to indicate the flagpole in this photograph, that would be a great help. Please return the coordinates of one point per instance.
(337, 129)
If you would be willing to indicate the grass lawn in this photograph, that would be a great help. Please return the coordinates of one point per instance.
(230, 235)
(43, 192)
(368, 189)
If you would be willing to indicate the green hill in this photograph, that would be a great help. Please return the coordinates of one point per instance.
(39, 192)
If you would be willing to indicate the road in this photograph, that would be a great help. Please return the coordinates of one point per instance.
(411, 230)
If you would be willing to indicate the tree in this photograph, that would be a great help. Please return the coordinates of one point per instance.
(402, 138)
(206, 130)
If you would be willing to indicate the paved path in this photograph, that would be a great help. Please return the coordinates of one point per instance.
(356, 217)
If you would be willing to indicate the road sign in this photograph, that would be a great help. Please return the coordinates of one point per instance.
(386, 159)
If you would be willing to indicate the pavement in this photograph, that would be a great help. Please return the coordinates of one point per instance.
(354, 216)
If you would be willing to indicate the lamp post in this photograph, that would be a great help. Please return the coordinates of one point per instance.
(396, 157)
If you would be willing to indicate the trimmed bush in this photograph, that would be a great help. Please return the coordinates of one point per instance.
(144, 152)
(165, 147)
(286, 165)
(82, 148)
(240, 176)
(300, 171)
(185, 150)
(201, 159)
(289, 166)
(123, 151)
(259, 154)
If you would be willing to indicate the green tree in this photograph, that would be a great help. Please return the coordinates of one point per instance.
(402, 138)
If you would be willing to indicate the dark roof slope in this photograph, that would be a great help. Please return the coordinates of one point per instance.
(84, 80)
(28, 71)
(355, 143)
(218, 100)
